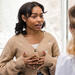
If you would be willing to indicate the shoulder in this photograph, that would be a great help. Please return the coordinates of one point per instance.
(14, 38)
(65, 59)
(49, 36)
(65, 64)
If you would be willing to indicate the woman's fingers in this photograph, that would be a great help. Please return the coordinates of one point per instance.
(40, 67)
(34, 61)
(31, 66)
(31, 60)
(41, 60)
(24, 54)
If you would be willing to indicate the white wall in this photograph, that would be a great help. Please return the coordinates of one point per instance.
(8, 19)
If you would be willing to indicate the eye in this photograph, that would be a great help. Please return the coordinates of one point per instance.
(34, 17)
(41, 16)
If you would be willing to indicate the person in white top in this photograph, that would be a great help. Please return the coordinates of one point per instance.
(66, 63)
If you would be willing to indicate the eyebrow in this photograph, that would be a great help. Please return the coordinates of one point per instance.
(36, 13)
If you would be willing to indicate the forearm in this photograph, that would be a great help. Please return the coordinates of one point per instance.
(54, 60)
(12, 67)
(49, 61)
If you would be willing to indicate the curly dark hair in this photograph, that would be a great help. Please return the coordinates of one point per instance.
(26, 10)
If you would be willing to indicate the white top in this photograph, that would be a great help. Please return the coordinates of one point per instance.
(65, 65)
(35, 45)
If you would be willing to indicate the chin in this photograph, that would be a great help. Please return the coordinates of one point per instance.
(37, 29)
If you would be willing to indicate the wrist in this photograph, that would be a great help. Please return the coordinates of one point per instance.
(20, 63)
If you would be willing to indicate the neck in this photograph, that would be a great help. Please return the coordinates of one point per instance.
(33, 32)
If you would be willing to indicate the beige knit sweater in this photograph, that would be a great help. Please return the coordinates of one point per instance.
(17, 45)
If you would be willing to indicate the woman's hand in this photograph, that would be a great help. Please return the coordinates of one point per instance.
(33, 61)
(41, 62)
(47, 60)
(30, 61)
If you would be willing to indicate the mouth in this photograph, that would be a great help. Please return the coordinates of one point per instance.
(39, 26)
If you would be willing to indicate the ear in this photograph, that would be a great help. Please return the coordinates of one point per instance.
(23, 18)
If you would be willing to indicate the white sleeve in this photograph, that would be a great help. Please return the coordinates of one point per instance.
(64, 65)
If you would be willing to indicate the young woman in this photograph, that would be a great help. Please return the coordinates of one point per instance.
(66, 63)
(33, 48)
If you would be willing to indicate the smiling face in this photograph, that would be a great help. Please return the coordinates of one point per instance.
(36, 20)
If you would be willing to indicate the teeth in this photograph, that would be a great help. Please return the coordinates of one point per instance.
(38, 25)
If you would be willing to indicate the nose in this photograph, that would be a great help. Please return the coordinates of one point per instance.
(39, 19)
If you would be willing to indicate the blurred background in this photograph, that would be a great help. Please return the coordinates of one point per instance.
(56, 19)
